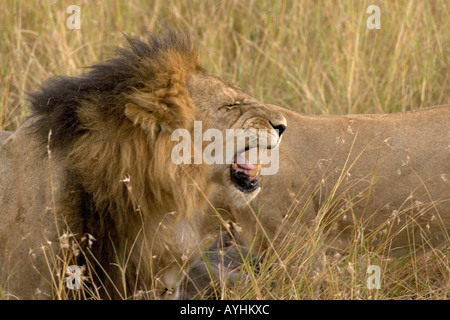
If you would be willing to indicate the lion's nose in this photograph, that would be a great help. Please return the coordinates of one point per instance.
(281, 127)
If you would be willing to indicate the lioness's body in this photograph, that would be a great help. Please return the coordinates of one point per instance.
(377, 170)
(4, 135)
(23, 232)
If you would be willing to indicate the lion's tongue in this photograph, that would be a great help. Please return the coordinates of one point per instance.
(243, 163)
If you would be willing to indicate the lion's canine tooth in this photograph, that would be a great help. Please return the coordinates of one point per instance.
(254, 172)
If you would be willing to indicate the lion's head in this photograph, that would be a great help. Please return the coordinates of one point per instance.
(250, 124)
(111, 131)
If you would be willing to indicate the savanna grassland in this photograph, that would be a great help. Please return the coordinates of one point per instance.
(314, 57)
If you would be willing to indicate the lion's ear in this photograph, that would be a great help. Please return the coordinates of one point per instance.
(143, 117)
(157, 116)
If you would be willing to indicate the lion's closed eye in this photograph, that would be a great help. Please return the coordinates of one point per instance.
(230, 106)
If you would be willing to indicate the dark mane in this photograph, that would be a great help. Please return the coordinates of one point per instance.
(105, 86)
(113, 170)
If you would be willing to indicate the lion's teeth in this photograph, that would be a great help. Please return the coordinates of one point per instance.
(254, 172)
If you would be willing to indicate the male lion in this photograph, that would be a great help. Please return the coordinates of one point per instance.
(385, 177)
(94, 162)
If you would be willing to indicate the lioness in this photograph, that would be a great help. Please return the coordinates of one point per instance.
(90, 180)
(386, 174)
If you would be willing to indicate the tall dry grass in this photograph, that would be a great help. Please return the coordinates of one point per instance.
(307, 262)
(309, 56)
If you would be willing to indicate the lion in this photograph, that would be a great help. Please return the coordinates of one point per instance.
(89, 178)
(383, 176)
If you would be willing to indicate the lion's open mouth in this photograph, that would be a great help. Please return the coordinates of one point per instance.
(244, 174)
